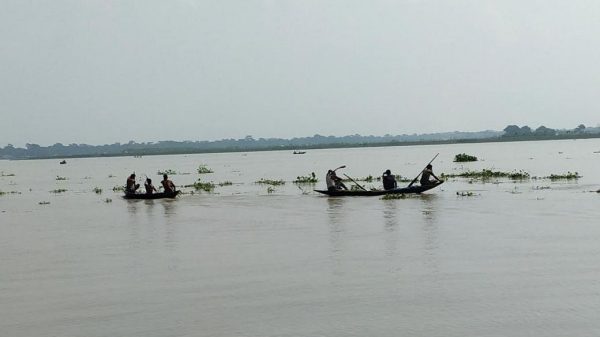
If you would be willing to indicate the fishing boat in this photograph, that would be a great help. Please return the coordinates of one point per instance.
(299, 152)
(161, 195)
(362, 193)
(63, 162)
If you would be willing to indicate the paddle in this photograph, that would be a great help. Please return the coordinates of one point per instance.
(354, 181)
(417, 177)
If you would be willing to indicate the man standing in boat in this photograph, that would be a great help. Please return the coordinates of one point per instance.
(168, 184)
(428, 172)
(389, 180)
(334, 182)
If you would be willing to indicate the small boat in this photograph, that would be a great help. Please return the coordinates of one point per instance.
(161, 195)
(361, 193)
(63, 162)
(299, 152)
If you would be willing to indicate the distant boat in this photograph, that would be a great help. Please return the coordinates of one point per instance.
(63, 162)
(299, 152)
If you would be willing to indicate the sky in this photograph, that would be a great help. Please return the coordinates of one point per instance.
(105, 71)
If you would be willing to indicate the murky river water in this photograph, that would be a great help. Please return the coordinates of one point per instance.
(506, 259)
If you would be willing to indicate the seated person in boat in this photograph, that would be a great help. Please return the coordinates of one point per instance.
(389, 180)
(426, 174)
(334, 182)
(131, 186)
(167, 184)
(149, 187)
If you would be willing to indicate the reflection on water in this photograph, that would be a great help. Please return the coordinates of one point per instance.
(335, 213)
(390, 217)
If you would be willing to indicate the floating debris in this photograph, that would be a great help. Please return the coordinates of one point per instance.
(309, 179)
(44, 203)
(97, 190)
(225, 183)
(203, 169)
(202, 186)
(273, 182)
(393, 196)
(167, 172)
(489, 174)
(119, 189)
(60, 190)
(61, 178)
(107, 200)
(463, 157)
(466, 194)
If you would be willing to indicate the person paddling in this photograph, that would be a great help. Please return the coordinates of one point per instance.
(149, 187)
(334, 182)
(131, 186)
(428, 172)
(167, 184)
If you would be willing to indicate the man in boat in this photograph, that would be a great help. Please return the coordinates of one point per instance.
(131, 186)
(389, 180)
(149, 187)
(167, 184)
(334, 182)
(426, 174)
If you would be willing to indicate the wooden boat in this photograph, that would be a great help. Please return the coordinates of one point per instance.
(161, 195)
(361, 193)
(299, 152)
(63, 162)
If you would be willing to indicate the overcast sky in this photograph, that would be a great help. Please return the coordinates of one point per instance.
(97, 72)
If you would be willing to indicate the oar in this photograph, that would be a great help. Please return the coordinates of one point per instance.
(354, 181)
(417, 177)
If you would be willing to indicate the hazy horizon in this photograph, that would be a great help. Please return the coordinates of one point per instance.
(100, 72)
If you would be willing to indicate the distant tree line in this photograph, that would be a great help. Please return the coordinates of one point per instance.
(514, 131)
(249, 143)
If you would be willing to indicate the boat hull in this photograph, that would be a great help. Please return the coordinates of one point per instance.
(399, 190)
(151, 196)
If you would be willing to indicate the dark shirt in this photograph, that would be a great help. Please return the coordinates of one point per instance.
(389, 181)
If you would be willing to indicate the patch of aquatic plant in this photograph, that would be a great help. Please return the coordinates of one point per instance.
(167, 172)
(61, 178)
(566, 176)
(6, 174)
(466, 194)
(368, 179)
(111, 176)
(44, 203)
(273, 182)
(270, 189)
(107, 200)
(202, 186)
(203, 169)
(463, 157)
(119, 189)
(309, 179)
(97, 190)
(489, 174)
(59, 190)
(10, 192)
(225, 183)
(541, 188)
(393, 196)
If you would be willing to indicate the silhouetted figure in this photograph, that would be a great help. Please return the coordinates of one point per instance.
(149, 187)
(334, 182)
(389, 180)
(167, 184)
(131, 186)
(426, 174)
